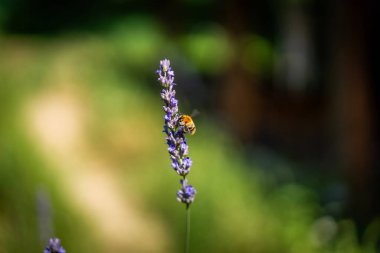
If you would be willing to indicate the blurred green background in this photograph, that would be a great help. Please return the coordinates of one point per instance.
(285, 158)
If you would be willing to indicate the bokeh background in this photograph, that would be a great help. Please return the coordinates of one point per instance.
(286, 154)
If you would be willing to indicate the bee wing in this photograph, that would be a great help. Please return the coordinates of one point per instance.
(195, 113)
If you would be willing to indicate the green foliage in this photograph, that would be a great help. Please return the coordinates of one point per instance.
(258, 55)
(208, 48)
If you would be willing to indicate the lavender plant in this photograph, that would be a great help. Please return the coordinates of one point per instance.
(175, 131)
(54, 246)
(176, 140)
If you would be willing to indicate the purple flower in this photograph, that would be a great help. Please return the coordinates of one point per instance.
(176, 140)
(187, 163)
(165, 65)
(54, 246)
(166, 75)
(187, 193)
(184, 149)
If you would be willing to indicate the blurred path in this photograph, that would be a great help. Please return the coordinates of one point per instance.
(58, 122)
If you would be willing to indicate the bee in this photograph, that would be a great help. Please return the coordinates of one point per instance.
(187, 123)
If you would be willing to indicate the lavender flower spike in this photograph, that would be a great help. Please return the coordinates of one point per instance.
(187, 193)
(176, 140)
(54, 246)
(178, 148)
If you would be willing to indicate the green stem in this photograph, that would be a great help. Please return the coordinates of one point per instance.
(187, 242)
